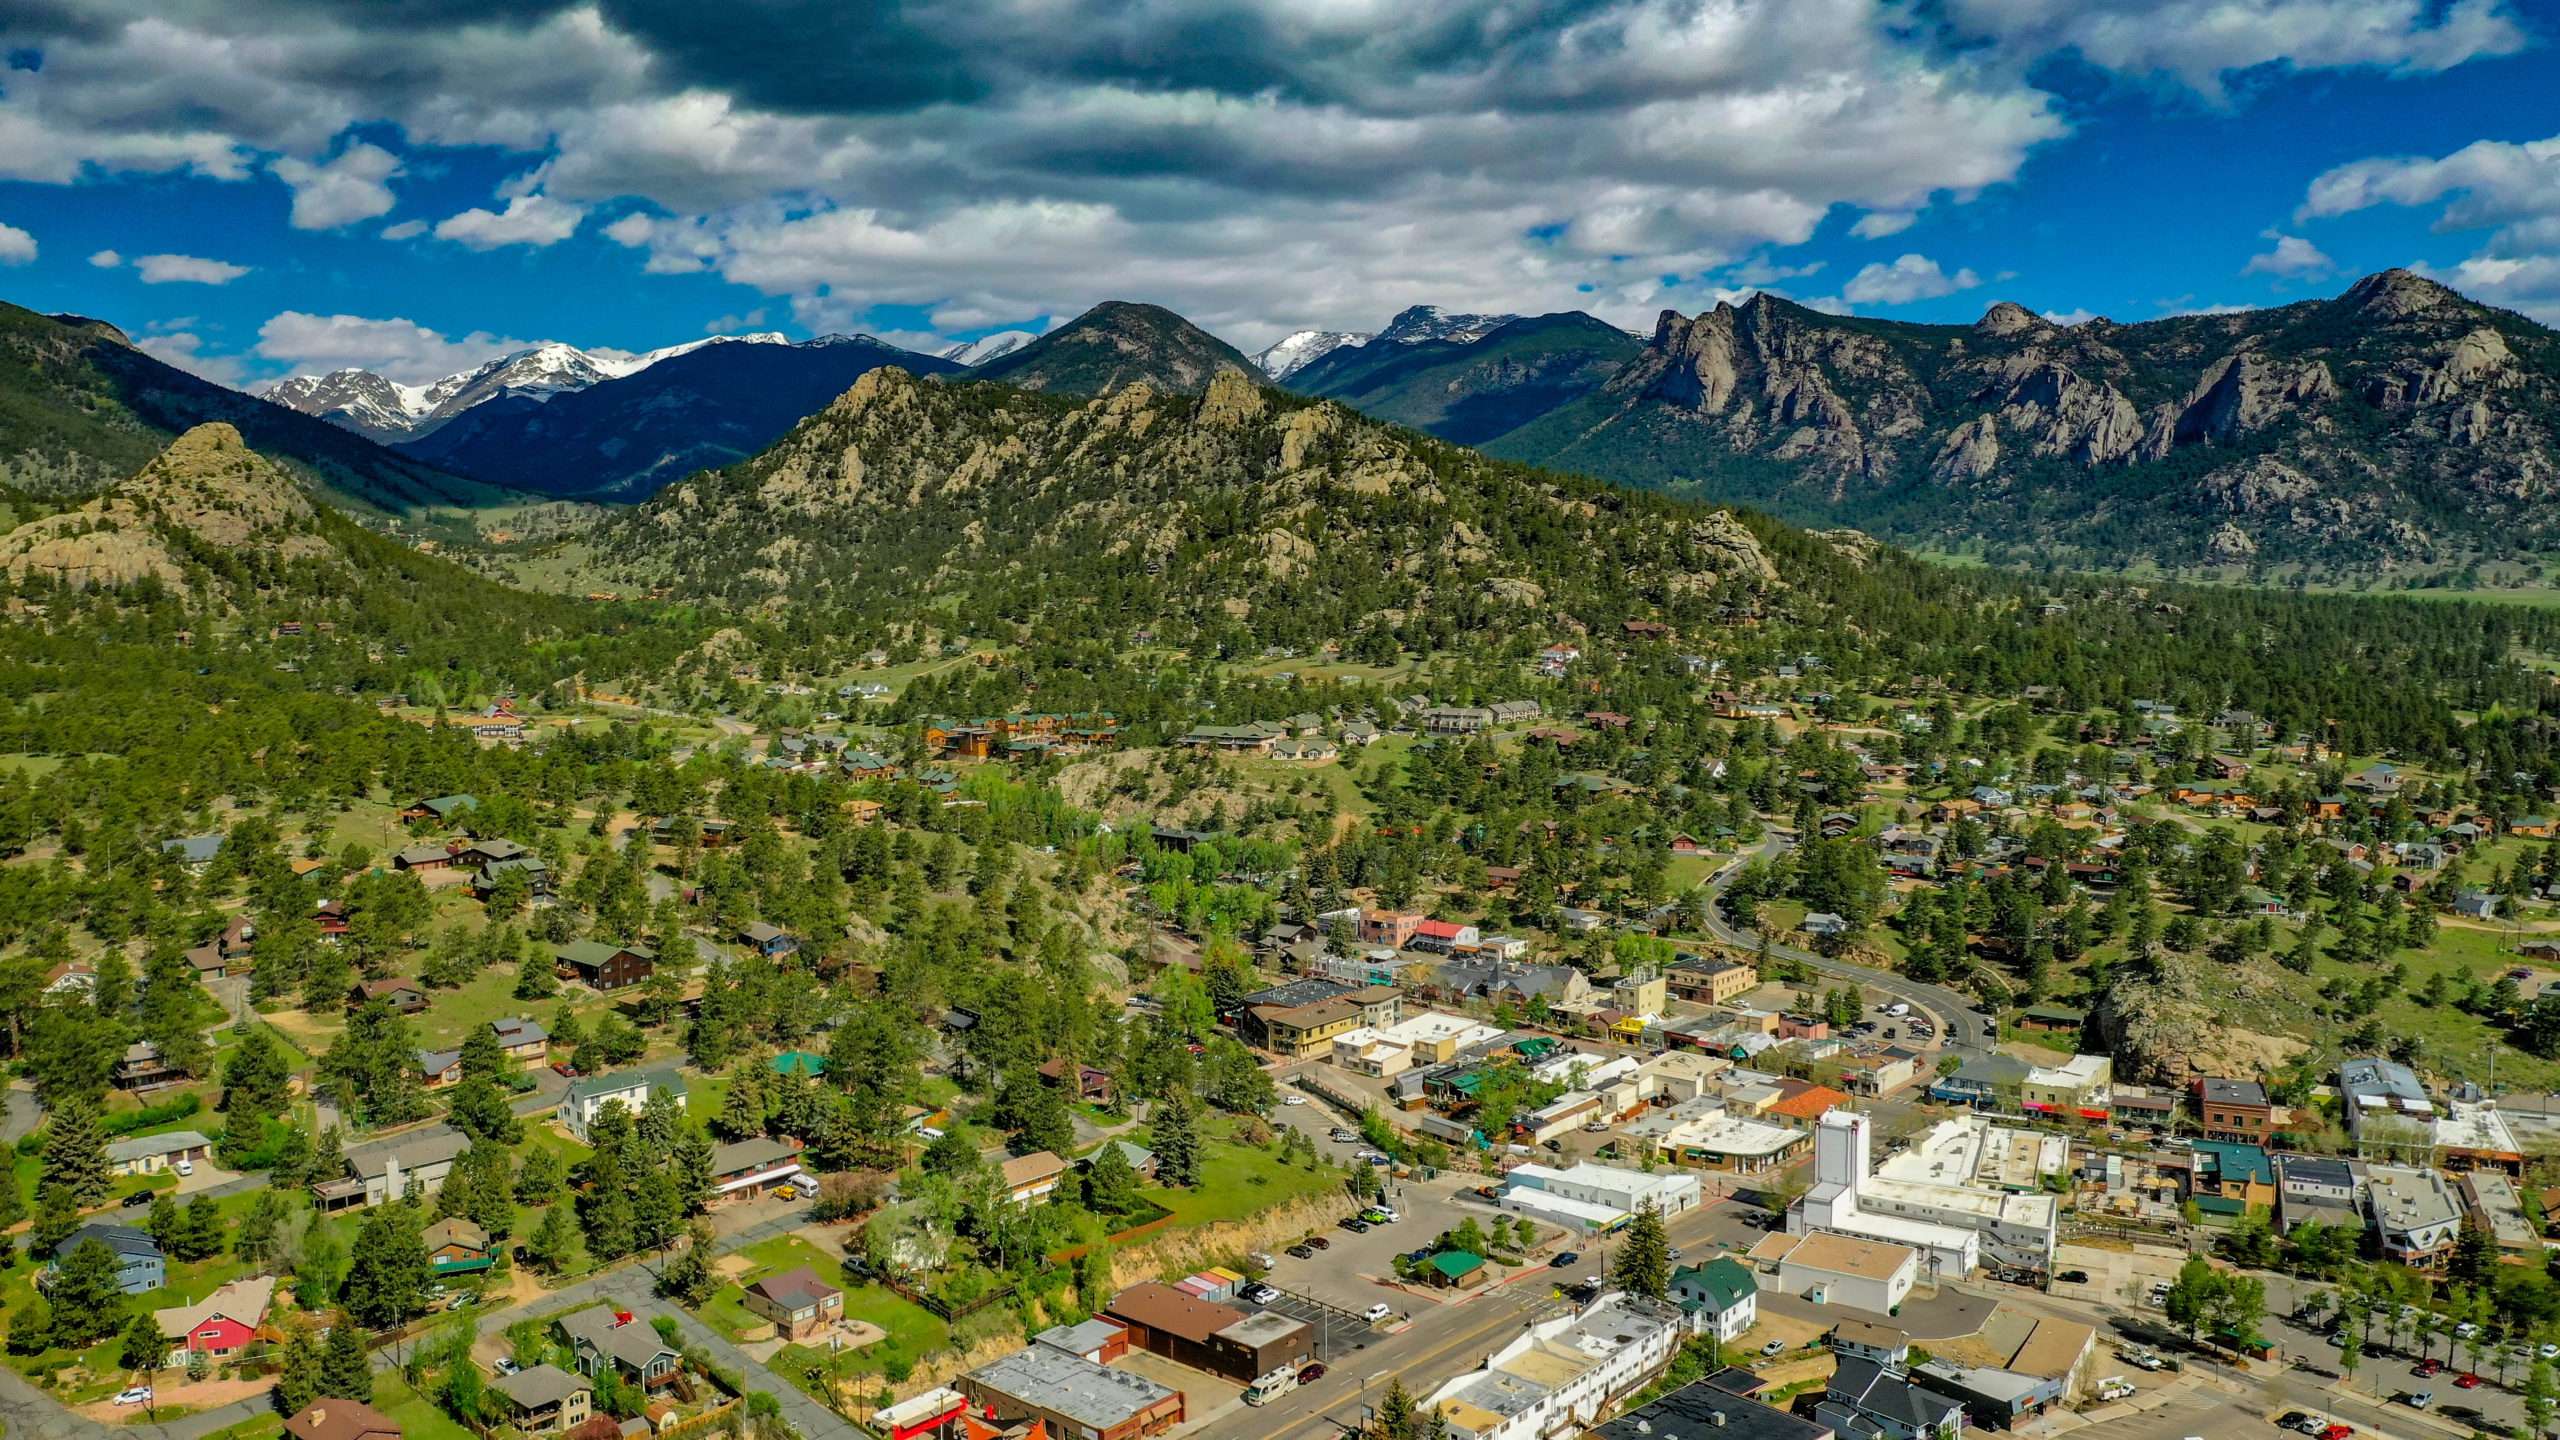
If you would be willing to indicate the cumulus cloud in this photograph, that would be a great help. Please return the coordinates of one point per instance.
(399, 349)
(17, 247)
(2201, 42)
(105, 259)
(405, 230)
(1262, 165)
(340, 191)
(533, 219)
(185, 349)
(2293, 257)
(187, 270)
(2071, 317)
(2510, 190)
(1912, 277)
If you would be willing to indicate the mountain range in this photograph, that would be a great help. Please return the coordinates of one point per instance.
(1411, 326)
(380, 408)
(81, 407)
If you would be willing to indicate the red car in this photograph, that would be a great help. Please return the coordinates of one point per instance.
(2466, 1381)
(2338, 1432)
(1311, 1373)
(2429, 1366)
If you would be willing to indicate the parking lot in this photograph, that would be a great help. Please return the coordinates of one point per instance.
(1338, 1332)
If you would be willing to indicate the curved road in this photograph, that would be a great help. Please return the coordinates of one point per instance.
(1959, 1028)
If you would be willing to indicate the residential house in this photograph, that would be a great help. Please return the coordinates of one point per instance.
(1029, 1179)
(226, 954)
(1869, 1401)
(404, 996)
(1088, 1084)
(219, 1326)
(754, 1166)
(151, 1154)
(195, 852)
(142, 1067)
(1720, 1297)
(770, 941)
(601, 966)
(601, 1335)
(140, 1267)
(383, 1170)
(588, 1095)
(456, 1246)
(523, 1039)
(797, 1302)
(2317, 1189)
(545, 1399)
(442, 809)
(440, 1069)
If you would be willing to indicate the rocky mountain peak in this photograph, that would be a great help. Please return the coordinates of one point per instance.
(208, 490)
(1232, 399)
(2396, 294)
(2008, 317)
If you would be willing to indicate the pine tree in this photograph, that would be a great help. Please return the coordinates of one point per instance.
(75, 1155)
(537, 977)
(255, 1079)
(1396, 1412)
(555, 1240)
(540, 1178)
(387, 1271)
(298, 1381)
(742, 1110)
(144, 1349)
(481, 1110)
(689, 1166)
(687, 1277)
(1177, 1141)
(346, 1370)
(87, 1301)
(1110, 1184)
(1643, 1263)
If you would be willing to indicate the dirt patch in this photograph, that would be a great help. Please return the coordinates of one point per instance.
(189, 1395)
(732, 1267)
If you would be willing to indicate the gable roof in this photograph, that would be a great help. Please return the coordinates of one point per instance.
(334, 1419)
(794, 1289)
(1723, 1282)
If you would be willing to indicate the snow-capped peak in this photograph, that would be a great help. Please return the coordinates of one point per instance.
(988, 347)
(1417, 323)
(387, 410)
(1292, 353)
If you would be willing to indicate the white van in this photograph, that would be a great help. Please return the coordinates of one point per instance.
(1272, 1386)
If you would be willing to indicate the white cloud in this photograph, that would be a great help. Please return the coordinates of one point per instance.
(400, 349)
(185, 349)
(2511, 190)
(17, 247)
(1877, 224)
(2200, 42)
(187, 270)
(531, 219)
(2292, 257)
(2071, 317)
(405, 230)
(1912, 277)
(105, 259)
(340, 191)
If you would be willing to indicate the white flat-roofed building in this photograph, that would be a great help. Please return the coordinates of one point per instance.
(1680, 1074)
(1834, 1269)
(1967, 1192)
(1670, 1192)
(1562, 1375)
(1430, 1038)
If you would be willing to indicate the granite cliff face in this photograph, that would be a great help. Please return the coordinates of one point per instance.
(207, 496)
(2396, 426)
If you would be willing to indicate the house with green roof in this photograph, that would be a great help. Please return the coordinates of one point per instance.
(1720, 1297)
(800, 1064)
(1456, 1270)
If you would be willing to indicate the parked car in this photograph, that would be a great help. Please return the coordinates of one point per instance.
(1672, 1253)
(507, 1365)
(1318, 1242)
(134, 1395)
(1557, 1146)
(2426, 1368)
(1774, 1347)
(138, 1197)
(1310, 1373)
(1293, 1099)
(1564, 1258)
(2419, 1399)
(1261, 1294)
(2547, 1350)
(1376, 1313)
(1301, 1252)
(2115, 1387)
(184, 1167)
(2466, 1381)
(1355, 1224)
(1260, 1259)
(1373, 1157)
(1342, 1136)
(2337, 1430)
(2072, 1277)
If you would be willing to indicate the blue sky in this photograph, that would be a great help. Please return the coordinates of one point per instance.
(258, 187)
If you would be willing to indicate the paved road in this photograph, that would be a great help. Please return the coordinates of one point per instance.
(1959, 1029)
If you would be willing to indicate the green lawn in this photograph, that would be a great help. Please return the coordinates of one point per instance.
(1237, 1181)
(419, 1417)
(912, 1334)
(726, 1310)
